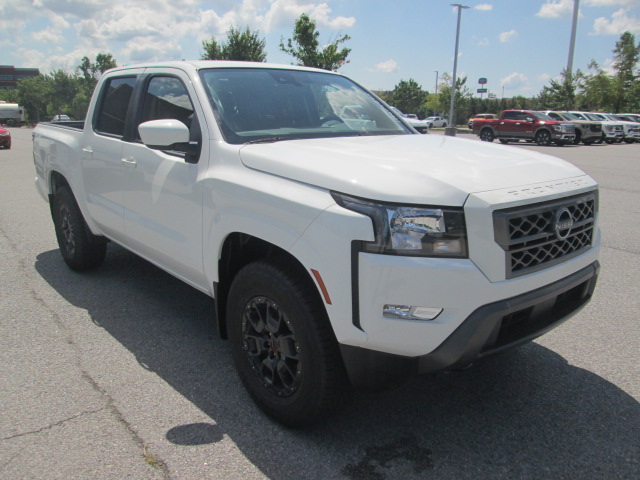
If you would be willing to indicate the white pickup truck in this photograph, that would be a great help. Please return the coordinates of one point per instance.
(340, 250)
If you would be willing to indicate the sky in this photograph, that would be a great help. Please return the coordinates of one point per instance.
(517, 45)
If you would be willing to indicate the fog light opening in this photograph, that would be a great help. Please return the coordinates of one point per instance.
(407, 312)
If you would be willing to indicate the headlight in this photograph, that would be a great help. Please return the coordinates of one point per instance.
(411, 230)
(4, 134)
(557, 128)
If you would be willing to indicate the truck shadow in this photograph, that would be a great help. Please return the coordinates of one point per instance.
(525, 414)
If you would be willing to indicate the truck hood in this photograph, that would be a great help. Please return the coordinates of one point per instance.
(424, 169)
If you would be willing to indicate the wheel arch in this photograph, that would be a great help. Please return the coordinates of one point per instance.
(241, 249)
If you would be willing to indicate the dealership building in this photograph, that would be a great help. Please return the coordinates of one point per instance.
(10, 76)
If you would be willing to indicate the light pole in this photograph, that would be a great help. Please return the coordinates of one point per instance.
(451, 130)
(436, 81)
(572, 43)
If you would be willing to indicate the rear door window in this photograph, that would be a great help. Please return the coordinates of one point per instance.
(114, 104)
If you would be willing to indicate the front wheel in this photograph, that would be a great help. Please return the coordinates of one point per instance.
(543, 138)
(487, 135)
(80, 249)
(283, 346)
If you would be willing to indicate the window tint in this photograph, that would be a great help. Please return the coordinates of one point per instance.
(167, 97)
(114, 105)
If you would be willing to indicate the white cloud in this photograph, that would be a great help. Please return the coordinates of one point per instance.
(556, 9)
(613, 3)
(484, 6)
(507, 36)
(515, 81)
(481, 42)
(388, 66)
(620, 22)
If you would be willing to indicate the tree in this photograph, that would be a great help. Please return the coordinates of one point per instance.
(304, 46)
(409, 97)
(92, 71)
(560, 94)
(625, 63)
(34, 94)
(63, 88)
(241, 45)
(462, 98)
(597, 90)
(10, 96)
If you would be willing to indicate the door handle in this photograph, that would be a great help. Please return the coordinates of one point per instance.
(129, 162)
(87, 149)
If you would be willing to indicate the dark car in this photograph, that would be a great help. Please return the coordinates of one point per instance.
(5, 138)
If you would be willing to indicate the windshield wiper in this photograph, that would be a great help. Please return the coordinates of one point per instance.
(265, 140)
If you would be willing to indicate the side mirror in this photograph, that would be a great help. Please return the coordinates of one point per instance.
(163, 134)
(530, 119)
(169, 134)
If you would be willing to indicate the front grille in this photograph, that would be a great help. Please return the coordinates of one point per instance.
(539, 236)
(568, 128)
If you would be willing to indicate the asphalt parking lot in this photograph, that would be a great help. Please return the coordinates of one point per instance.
(119, 373)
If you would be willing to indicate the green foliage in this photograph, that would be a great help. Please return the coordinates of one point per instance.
(9, 96)
(61, 92)
(463, 97)
(560, 94)
(409, 97)
(599, 90)
(240, 45)
(304, 46)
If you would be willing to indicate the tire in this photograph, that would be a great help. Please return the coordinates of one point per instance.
(609, 141)
(587, 142)
(80, 249)
(283, 346)
(486, 135)
(576, 141)
(543, 138)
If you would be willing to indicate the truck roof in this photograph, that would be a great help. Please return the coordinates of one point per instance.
(195, 65)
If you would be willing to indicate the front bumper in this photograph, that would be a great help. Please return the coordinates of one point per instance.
(489, 329)
(563, 137)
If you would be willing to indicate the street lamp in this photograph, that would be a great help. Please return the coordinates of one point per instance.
(436, 81)
(451, 130)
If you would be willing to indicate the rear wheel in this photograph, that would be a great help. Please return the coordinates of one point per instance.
(543, 138)
(283, 346)
(486, 135)
(80, 249)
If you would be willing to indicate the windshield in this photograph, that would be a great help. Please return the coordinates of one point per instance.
(260, 104)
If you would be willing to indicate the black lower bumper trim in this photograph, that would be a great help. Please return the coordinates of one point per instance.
(489, 329)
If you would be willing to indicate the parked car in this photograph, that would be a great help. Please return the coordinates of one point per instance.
(587, 131)
(436, 122)
(631, 129)
(480, 116)
(5, 138)
(632, 117)
(612, 132)
(528, 125)
(420, 125)
(61, 118)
